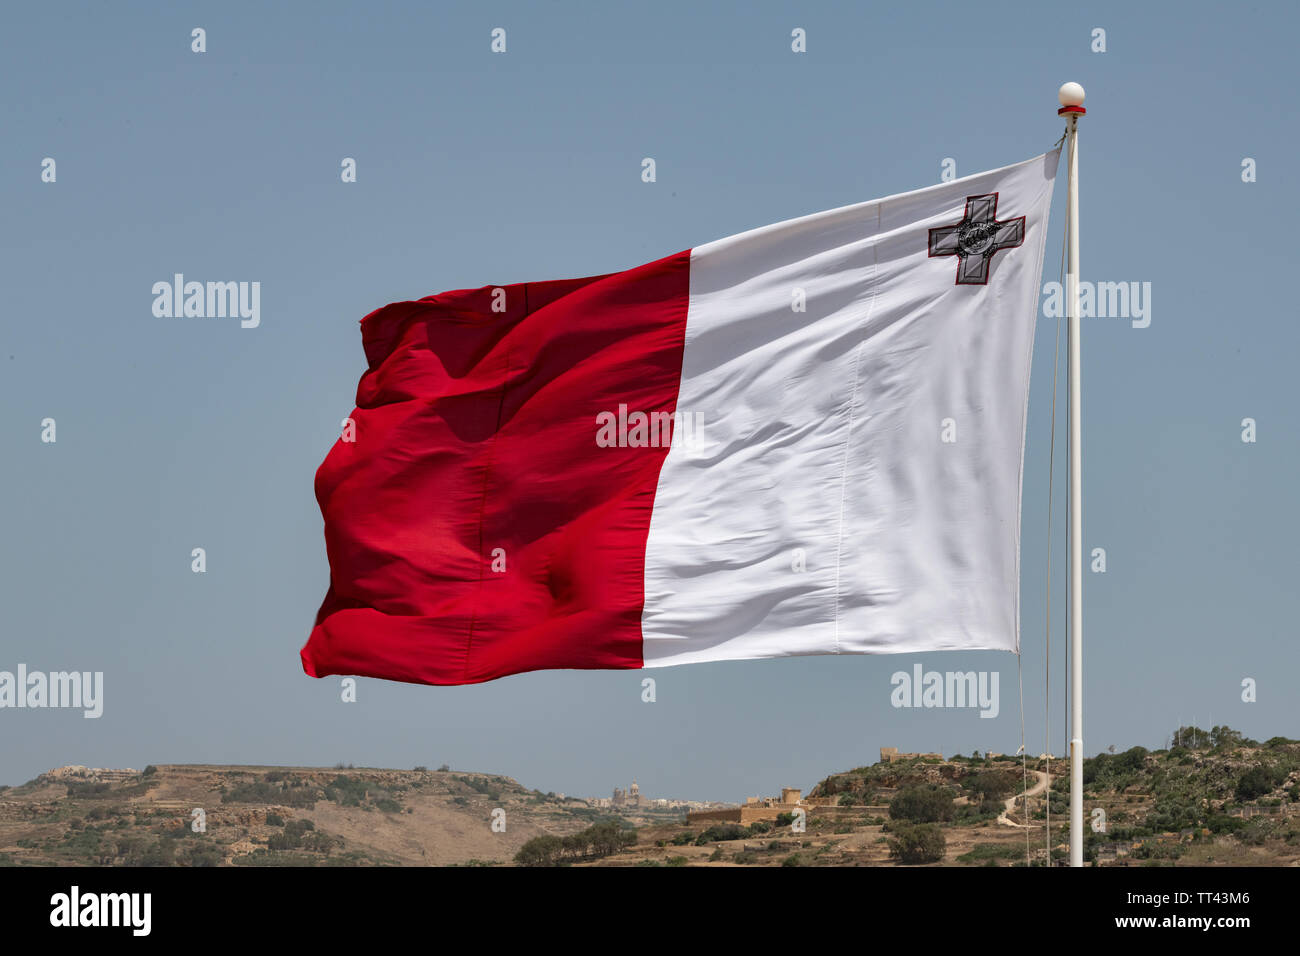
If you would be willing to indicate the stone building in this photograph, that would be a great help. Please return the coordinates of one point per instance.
(630, 798)
(891, 755)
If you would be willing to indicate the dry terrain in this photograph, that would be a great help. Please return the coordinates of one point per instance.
(1225, 801)
(274, 816)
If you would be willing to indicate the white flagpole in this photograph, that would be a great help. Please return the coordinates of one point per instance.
(1071, 98)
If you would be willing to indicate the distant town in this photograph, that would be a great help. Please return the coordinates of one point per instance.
(633, 800)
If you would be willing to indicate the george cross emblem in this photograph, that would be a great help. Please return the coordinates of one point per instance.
(976, 238)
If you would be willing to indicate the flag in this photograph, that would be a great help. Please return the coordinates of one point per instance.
(807, 438)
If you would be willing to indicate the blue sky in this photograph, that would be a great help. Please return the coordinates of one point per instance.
(475, 168)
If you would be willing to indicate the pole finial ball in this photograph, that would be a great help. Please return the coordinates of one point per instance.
(1070, 94)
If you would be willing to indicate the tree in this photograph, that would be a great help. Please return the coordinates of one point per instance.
(927, 804)
(1256, 782)
(1193, 738)
(1225, 737)
(923, 843)
(993, 784)
(540, 851)
(575, 845)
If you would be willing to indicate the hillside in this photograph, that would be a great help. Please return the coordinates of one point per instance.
(1216, 799)
(274, 816)
(1219, 800)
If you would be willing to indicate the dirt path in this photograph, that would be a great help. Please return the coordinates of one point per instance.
(1010, 804)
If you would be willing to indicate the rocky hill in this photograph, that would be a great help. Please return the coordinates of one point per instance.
(274, 816)
(1215, 798)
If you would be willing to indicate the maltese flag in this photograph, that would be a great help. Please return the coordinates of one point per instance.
(807, 438)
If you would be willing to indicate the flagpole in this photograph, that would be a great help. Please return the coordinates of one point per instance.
(1071, 98)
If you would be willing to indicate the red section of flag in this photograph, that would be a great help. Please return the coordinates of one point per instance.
(476, 431)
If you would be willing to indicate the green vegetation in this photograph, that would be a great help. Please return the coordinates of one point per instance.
(595, 842)
(994, 784)
(302, 835)
(924, 804)
(722, 831)
(279, 791)
(84, 790)
(483, 785)
(1258, 782)
(992, 852)
(921, 843)
(346, 791)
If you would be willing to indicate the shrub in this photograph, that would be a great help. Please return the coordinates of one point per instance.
(1158, 851)
(346, 791)
(540, 851)
(922, 843)
(927, 804)
(262, 792)
(598, 840)
(721, 831)
(993, 784)
(1256, 782)
(205, 856)
(79, 788)
(1256, 832)
(991, 853)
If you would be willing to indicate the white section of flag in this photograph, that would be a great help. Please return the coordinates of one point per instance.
(823, 436)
